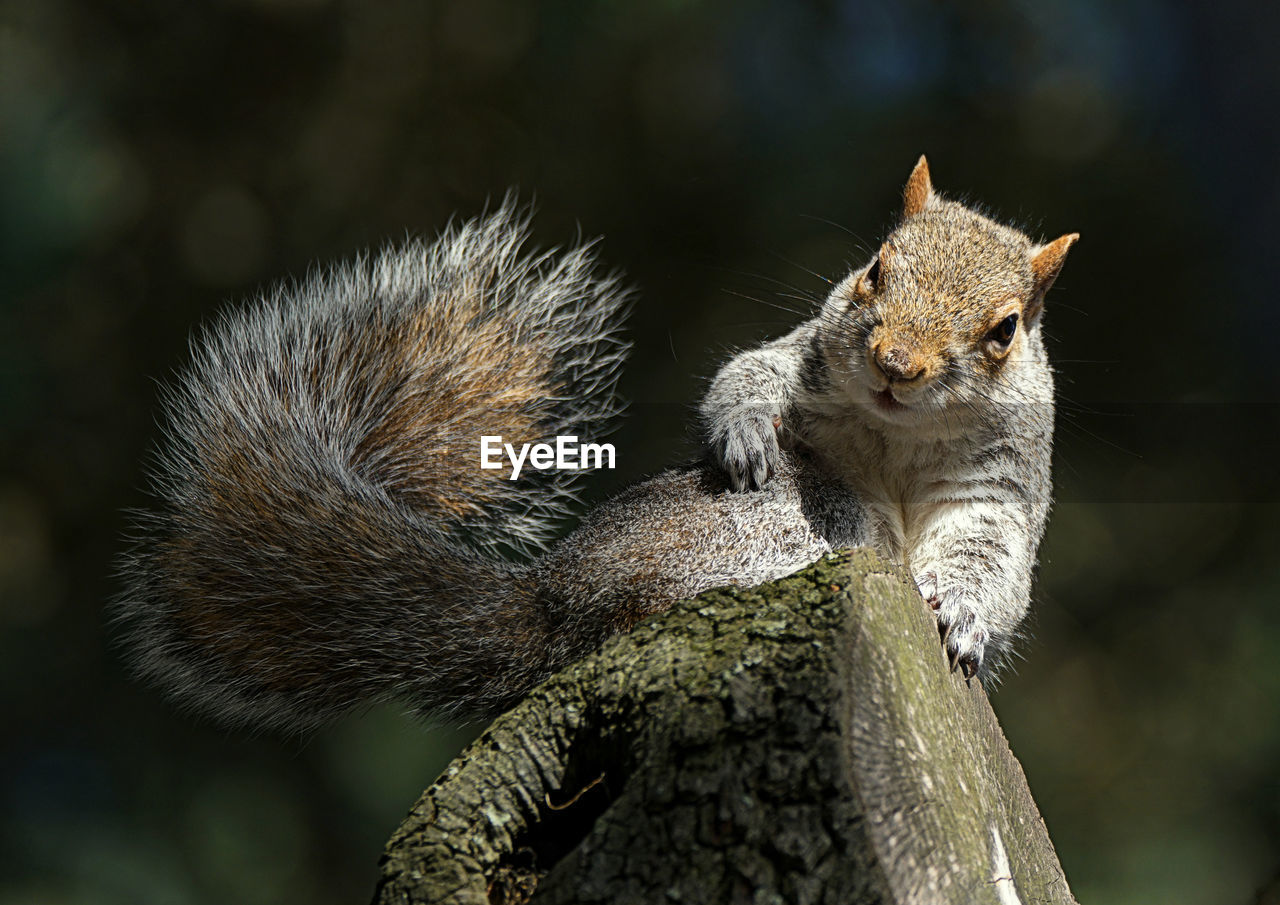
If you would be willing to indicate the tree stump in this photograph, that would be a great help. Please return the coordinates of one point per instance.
(799, 742)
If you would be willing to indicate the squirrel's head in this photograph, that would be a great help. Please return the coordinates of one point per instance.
(948, 307)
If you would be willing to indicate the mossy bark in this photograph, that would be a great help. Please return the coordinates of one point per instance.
(799, 742)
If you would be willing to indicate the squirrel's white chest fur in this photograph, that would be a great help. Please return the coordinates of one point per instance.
(910, 489)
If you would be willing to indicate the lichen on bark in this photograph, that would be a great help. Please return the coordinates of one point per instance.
(800, 742)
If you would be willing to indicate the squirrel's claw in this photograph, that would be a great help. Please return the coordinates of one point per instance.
(749, 452)
(964, 637)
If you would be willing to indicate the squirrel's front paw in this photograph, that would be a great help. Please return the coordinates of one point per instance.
(747, 448)
(964, 635)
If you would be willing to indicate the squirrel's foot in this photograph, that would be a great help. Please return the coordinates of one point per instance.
(748, 449)
(964, 635)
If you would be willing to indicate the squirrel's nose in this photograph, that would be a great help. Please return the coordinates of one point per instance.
(898, 363)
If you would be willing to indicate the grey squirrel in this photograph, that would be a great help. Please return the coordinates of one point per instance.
(322, 535)
(924, 384)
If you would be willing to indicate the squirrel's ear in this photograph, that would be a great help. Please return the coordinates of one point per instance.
(919, 190)
(1046, 262)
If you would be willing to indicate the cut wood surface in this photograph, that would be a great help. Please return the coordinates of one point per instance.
(799, 742)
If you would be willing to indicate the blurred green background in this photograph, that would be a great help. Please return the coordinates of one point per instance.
(158, 159)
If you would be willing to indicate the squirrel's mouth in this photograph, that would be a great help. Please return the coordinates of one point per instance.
(886, 401)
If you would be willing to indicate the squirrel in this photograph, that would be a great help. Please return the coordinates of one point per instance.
(321, 535)
(924, 384)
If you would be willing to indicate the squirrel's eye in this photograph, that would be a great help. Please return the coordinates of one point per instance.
(1003, 331)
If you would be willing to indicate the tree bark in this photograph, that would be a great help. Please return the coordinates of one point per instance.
(799, 742)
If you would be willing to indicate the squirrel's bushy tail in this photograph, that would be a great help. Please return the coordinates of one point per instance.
(322, 534)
